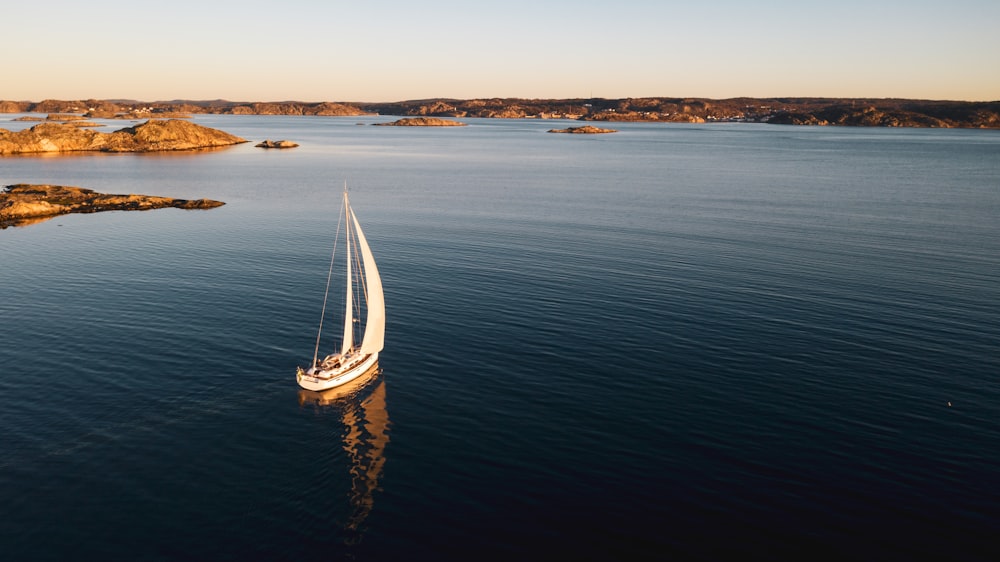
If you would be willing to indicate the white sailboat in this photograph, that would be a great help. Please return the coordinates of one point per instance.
(364, 300)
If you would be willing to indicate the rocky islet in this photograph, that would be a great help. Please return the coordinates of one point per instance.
(26, 204)
(152, 136)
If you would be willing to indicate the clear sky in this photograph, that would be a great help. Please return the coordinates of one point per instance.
(388, 50)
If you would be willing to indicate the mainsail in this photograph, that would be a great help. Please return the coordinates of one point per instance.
(375, 325)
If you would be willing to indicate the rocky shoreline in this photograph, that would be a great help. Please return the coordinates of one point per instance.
(24, 204)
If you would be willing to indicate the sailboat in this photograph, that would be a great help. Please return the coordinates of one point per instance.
(364, 301)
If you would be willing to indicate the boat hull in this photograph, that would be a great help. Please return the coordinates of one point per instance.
(319, 382)
(336, 394)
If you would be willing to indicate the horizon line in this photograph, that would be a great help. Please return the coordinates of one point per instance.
(238, 101)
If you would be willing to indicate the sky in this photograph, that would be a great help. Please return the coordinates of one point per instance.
(388, 50)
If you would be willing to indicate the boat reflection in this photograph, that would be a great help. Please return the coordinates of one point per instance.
(362, 406)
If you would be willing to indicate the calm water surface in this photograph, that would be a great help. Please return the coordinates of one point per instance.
(684, 342)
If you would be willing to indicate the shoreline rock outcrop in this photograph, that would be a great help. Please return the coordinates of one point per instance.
(151, 136)
(22, 204)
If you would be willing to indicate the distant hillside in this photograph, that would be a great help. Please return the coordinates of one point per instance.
(901, 113)
(142, 110)
(792, 111)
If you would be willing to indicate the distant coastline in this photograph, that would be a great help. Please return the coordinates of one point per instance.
(861, 112)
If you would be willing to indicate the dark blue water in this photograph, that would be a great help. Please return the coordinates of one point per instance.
(674, 341)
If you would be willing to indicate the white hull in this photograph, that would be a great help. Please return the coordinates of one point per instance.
(318, 379)
(333, 395)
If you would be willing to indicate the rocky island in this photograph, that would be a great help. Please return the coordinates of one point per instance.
(276, 144)
(153, 135)
(585, 130)
(422, 122)
(25, 204)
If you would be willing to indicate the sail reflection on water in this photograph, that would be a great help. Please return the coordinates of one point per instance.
(362, 406)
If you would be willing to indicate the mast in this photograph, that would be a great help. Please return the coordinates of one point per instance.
(348, 342)
(326, 293)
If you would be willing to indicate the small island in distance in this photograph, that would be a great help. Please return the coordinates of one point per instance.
(585, 130)
(268, 143)
(860, 112)
(423, 122)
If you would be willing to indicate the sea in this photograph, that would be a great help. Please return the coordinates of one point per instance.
(671, 342)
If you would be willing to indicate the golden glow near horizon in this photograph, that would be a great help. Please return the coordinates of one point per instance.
(393, 50)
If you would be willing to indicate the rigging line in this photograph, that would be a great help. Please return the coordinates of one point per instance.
(364, 285)
(360, 287)
(364, 277)
(329, 276)
(352, 234)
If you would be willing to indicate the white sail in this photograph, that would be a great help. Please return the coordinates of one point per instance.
(375, 325)
(348, 340)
